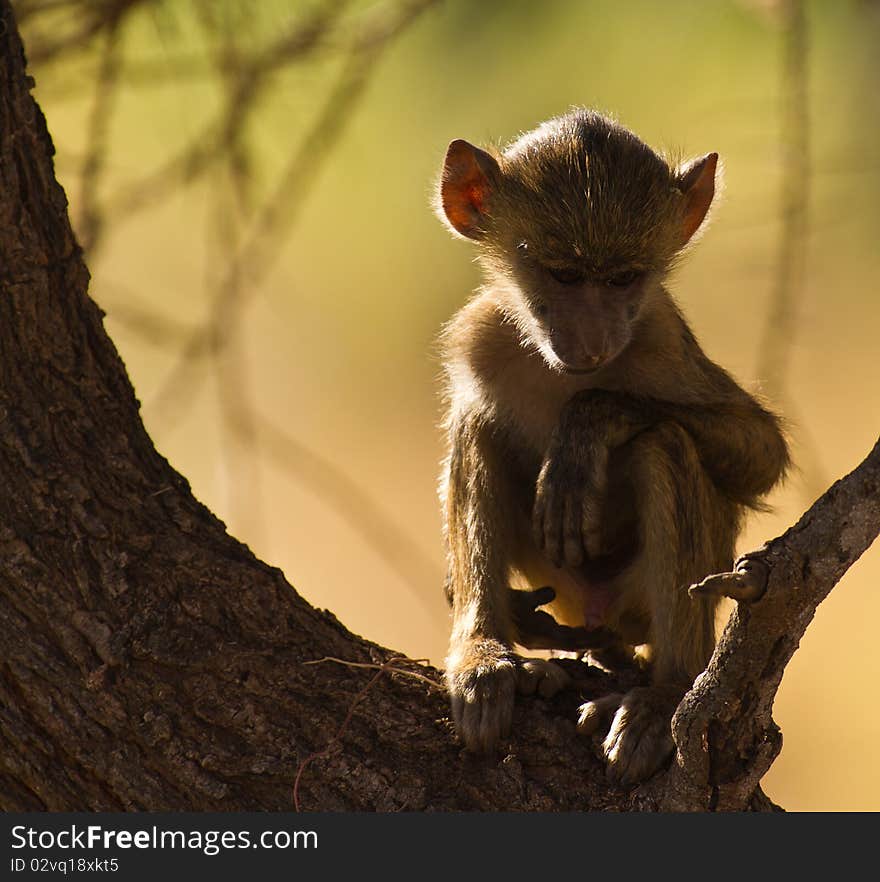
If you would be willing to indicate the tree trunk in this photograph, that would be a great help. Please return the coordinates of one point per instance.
(149, 661)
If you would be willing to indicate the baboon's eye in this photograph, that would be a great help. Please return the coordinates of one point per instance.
(566, 275)
(622, 280)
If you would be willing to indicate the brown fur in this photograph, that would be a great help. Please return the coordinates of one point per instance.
(593, 446)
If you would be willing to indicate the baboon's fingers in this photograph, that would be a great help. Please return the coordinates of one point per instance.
(639, 741)
(536, 629)
(539, 630)
(592, 714)
(541, 676)
(538, 597)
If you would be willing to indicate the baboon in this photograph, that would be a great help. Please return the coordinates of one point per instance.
(593, 447)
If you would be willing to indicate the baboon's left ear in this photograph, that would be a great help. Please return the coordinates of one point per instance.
(696, 180)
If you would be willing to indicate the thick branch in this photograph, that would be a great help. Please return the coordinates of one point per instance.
(147, 659)
(724, 732)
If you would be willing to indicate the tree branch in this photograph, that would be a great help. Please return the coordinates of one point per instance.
(724, 732)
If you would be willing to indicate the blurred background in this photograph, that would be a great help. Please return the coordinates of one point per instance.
(252, 181)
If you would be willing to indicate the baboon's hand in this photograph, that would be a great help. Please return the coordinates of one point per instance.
(536, 629)
(568, 498)
(482, 679)
(639, 740)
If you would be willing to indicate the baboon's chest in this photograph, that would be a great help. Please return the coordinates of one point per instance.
(529, 397)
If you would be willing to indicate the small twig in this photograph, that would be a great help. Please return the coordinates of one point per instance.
(781, 323)
(381, 669)
(747, 582)
(238, 426)
(106, 87)
(338, 490)
(147, 324)
(208, 145)
(231, 366)
(371, 666)
(781, 320)
(90, 20)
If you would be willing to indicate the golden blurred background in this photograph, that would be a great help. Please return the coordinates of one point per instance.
(306, 416)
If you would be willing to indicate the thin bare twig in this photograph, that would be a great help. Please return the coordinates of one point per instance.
(434, 684)
(775, 351)
(91, 217)
(240, 448)
(337, 737)
(208, 145)
(353, 504)
(89, 20)
(148, 325)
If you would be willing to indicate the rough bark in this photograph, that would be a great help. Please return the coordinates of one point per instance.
(149, 661)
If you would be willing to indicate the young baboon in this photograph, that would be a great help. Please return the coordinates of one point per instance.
(593, 446)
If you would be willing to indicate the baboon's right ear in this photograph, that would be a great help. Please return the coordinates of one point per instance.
(469, 177)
